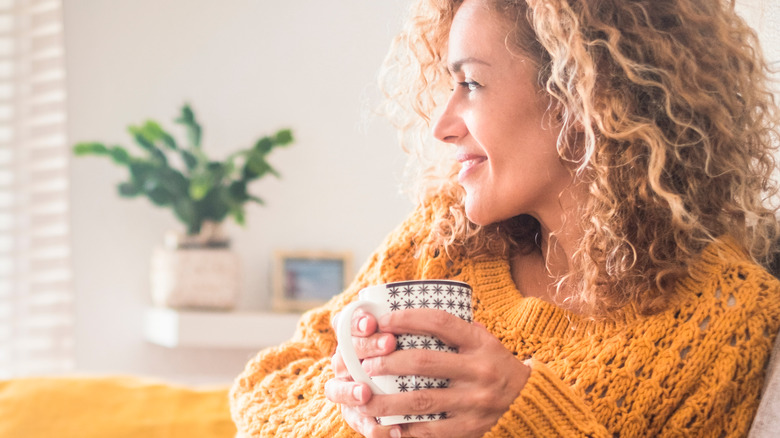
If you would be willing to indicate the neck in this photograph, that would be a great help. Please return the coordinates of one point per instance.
(560, 233)
(560, 229)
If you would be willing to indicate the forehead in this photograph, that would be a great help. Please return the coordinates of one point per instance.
(477, 31)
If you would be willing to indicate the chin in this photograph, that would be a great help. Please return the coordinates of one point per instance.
(486, 213)
(477, 215)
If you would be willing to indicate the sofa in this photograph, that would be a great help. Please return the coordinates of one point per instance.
(111, 407)
(134, 407)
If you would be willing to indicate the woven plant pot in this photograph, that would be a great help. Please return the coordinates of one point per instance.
(188, 273)
(195, 278)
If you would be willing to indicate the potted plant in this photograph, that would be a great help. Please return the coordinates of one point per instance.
(194, 268)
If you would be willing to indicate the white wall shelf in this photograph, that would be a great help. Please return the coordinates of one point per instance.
(251, 330)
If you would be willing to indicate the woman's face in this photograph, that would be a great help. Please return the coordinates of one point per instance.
(496, 117)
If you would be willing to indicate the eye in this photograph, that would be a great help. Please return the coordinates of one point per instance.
(470, 85)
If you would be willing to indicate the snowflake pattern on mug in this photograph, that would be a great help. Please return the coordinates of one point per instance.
(452, 297)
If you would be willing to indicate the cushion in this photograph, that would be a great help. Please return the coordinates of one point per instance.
(766, 423)
(113, 406)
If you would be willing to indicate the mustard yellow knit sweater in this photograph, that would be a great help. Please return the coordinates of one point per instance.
(693, 370)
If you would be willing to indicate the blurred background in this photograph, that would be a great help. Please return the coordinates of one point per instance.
(75, 256)
(248, 68)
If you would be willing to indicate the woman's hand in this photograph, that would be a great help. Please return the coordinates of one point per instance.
(352, 395)
(485, 378)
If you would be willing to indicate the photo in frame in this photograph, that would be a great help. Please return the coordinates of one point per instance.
(306, 279)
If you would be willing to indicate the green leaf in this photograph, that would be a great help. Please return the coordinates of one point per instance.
(175, 182)
(120, 155)
(237, 212)
(184, 209)
(283, 137)
(199, 190)
(140, 138)
(142, 170)
(153, 133)
(215, 206)
(200, 186)
(151, 130)
(187, 118)
(255, 166)
(158, 155)
(217, 171)
(194, 133)
(159, 195)
(90, 148)
(149, 179)
(237, 190)
(247, 174)
(169, 141)
(146, 143)
(190, 160)
(264, 145)
(128, 190)
(228, 167)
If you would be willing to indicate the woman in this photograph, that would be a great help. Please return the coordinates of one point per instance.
(606, 197)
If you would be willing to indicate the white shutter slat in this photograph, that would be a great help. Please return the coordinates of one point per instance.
(40, 131)
(36, 299)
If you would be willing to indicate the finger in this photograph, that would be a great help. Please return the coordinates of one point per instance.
(372, 346)
(451, 426)
(367, 426)
(363, 323)
(347, 393)
(423, 402)
(377, 344)
(339, 367)
(417, 362)
(449, 328)
(365, 348)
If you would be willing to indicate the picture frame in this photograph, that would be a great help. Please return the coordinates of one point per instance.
(303, 280)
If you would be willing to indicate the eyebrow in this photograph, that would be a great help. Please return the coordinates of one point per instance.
(457, 66)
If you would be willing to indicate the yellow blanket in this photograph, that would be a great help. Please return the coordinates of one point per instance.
(111, 407)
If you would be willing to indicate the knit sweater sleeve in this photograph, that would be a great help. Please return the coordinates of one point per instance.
(547, 407)
(281, 390)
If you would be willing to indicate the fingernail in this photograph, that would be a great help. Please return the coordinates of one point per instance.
(357, 393)
(362, 324)
(382, 343)
(395, 433)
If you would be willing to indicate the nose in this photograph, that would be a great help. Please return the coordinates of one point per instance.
(450, 127)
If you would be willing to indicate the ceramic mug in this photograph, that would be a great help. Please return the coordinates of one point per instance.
(451, 296)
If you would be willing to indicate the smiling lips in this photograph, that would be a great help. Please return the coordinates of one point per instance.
(468, 162)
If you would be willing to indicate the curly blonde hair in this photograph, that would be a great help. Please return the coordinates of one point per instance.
(667, 115)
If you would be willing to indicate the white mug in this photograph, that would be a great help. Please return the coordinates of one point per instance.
(451, 296)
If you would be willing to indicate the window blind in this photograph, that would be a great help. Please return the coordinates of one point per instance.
(36, 299)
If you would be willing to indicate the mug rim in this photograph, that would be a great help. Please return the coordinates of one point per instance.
(381, 288)
(431, 281)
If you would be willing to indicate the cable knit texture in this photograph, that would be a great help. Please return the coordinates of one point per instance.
(695, 369)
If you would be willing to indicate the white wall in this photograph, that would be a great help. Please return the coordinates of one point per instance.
(764, 16)
(248, 67)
